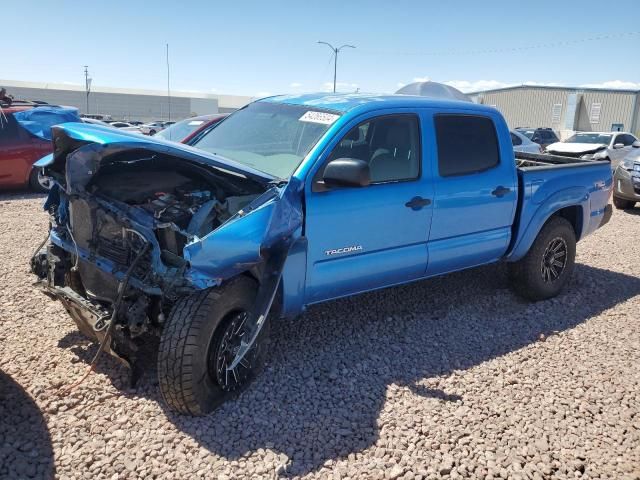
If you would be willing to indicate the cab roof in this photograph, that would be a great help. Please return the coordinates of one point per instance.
(343, 102)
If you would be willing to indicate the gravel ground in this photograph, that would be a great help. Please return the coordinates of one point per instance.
(451, 377)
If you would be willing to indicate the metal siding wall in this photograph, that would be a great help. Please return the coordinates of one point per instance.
(533, 107)
(528, 107)
(616, 108)
(121, 106)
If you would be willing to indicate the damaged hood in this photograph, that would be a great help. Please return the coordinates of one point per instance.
(561, 147)
(99, 142)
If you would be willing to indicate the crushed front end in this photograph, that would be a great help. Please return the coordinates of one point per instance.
(132, 229)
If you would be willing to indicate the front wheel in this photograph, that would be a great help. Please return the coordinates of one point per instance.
(200, 340)
(622, 204)
(38, 182)
(545, 270)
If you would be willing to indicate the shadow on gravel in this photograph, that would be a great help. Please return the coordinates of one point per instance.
(25, 443)
(320, 395)
(322, 391)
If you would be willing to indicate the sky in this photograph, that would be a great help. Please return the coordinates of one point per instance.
(259, 48)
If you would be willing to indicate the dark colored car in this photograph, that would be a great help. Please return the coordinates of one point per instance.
(189, 128)
(25, 137)
(542, 136)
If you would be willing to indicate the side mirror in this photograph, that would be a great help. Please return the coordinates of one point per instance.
(636, 144)
(618, 146)
(347, 172)
(535, 139)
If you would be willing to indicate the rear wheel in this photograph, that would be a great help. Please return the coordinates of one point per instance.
(622, 204)
(544, 271)
(199, 342)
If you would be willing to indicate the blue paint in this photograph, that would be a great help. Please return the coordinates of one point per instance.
(386, 243)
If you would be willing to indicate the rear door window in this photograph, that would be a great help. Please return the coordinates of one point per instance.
(466, 144)
(515, 140)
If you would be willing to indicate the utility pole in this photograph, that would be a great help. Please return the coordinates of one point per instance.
(335, 59)
(87, 85)
(168, 88)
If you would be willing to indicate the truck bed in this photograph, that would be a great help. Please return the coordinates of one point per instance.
(546, 183)
(536, 160)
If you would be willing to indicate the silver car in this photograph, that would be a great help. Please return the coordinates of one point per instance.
(522, 143)
(626, 182)
(612, 146)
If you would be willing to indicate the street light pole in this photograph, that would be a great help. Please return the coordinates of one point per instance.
(168, 89)
(87, 84)
(335, 60)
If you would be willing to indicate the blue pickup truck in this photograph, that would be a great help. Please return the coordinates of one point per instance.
(288, 202)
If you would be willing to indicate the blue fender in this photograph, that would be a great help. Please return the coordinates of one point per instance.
(537, 210)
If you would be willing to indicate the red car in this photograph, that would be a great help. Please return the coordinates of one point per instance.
(25, 137)
(187, 129)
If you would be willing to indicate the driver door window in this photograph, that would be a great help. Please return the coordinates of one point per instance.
(389, 144)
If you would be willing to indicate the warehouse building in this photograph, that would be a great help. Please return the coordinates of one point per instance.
(127, 104)
(566, 110)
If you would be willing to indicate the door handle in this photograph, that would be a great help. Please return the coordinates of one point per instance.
(416, 203)
(500, 191)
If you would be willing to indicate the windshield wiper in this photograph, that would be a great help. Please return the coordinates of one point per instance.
(279, 182)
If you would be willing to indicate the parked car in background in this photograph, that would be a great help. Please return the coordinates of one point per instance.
(121, 124)
(542, 136)
(151, 128)
(25, 137)
(93, 121)
(305, 199)
(521, 143)
(97, 116)
(612, 146)
(626, 181)
(187, 129)
(135, 122)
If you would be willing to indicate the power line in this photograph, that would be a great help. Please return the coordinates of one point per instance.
(504, 50)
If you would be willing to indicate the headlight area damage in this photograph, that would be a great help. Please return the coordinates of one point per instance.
(138, 225)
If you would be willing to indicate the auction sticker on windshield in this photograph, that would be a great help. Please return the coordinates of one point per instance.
(319, 117)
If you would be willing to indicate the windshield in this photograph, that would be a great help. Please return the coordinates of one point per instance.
(270, 137)
(589, 138)
(179, 131)
(527, 133)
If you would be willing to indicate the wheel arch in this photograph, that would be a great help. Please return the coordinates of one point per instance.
(571, 204)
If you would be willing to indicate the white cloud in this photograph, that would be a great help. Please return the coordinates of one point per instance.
(213, 90)
(467, 86)
(421, 79)
(295, 85)
(400, 84)
(263, 94)
(340, 87)
(614, 84)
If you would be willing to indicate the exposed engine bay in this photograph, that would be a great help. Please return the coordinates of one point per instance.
(128, 225)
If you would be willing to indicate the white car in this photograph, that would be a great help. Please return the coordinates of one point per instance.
(151, 128)
(613, 146)
(521, 143)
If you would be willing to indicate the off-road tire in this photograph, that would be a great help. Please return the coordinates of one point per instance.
(526, 276)
(622, 204)
(186, 383)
